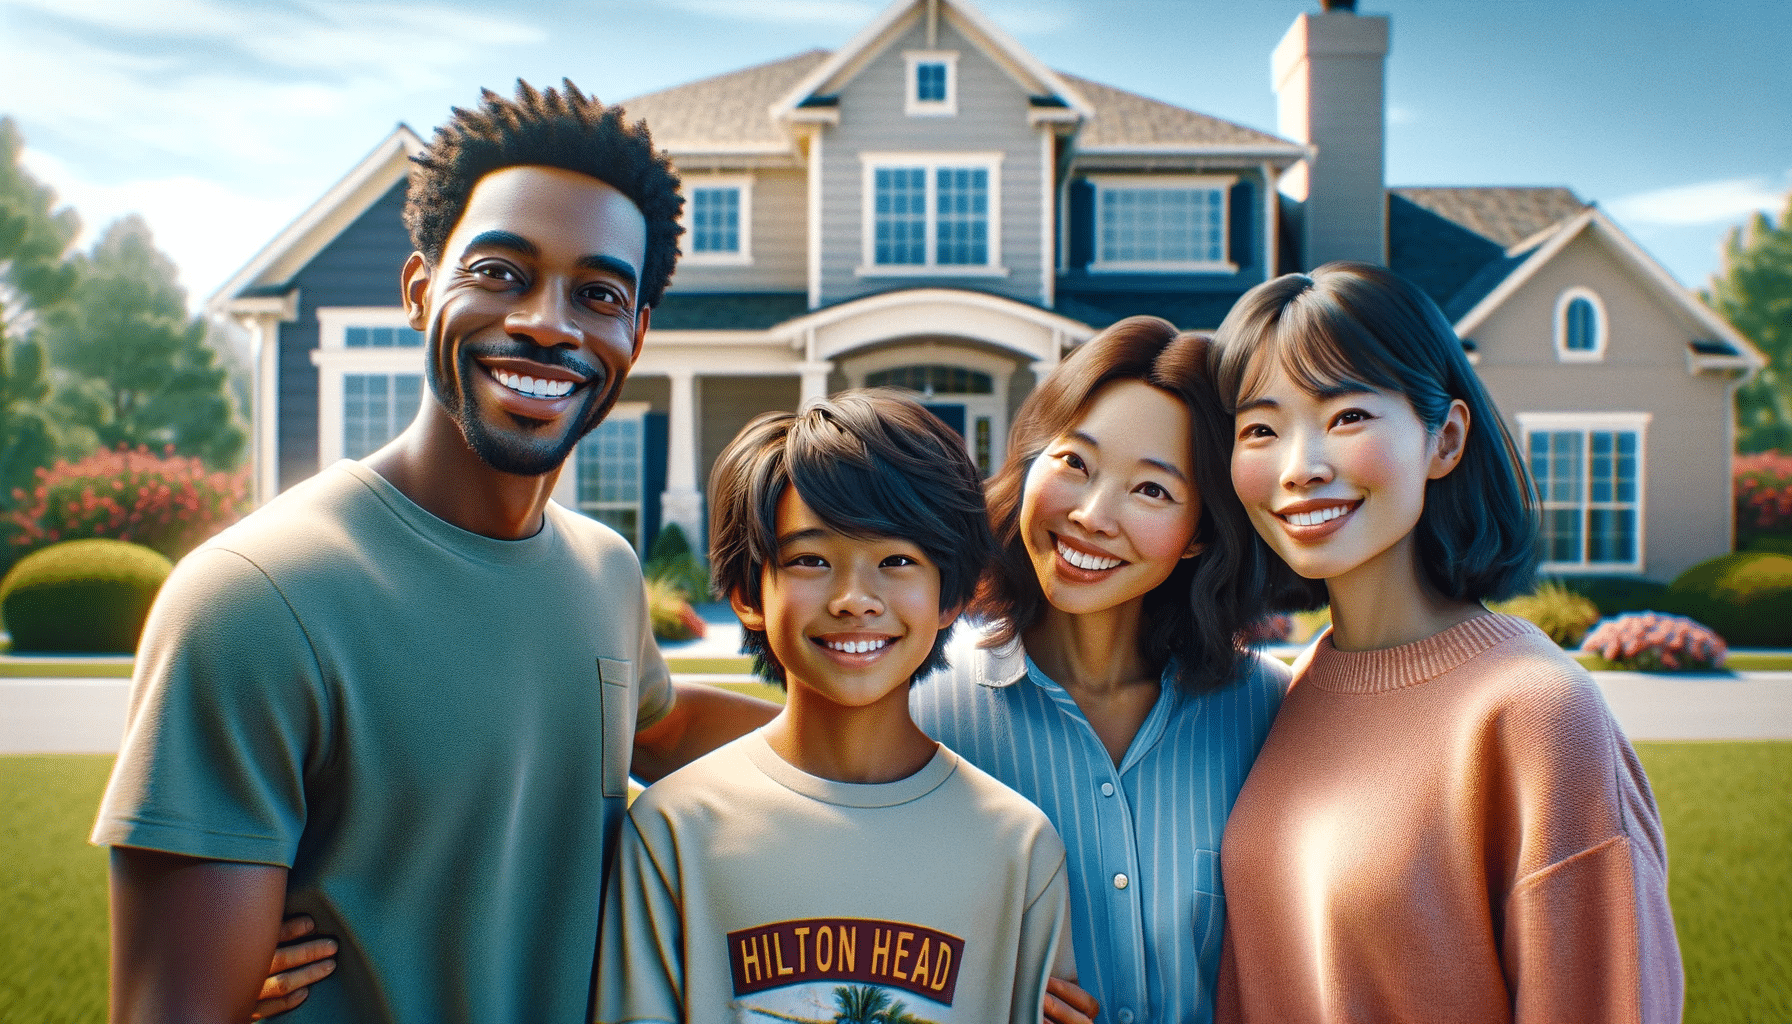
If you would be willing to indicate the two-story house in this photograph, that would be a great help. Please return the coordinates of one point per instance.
(929, 207)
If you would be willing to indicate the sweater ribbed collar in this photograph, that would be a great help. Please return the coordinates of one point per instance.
(1396, 668)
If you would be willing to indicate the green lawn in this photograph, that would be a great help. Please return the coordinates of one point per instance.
(1727, 809)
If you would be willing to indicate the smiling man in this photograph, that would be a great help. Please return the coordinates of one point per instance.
(405, 696)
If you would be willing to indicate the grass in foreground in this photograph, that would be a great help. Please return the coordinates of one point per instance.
(1727, 808)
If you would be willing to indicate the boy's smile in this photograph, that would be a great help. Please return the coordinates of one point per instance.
(850, 618)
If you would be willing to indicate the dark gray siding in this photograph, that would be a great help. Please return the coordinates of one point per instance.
(359, 268)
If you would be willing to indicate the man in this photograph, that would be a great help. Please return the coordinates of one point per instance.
(404, 697)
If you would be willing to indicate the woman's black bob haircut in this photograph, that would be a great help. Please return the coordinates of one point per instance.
(1196, 617)
(869, 463)
(1360, 325)
(566, 130)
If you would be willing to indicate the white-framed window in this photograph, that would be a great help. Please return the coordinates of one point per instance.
(718, 219)
(369, 379)
(931, 83)
(1161, 223)
(1588, 469)
(1580, 326)
(935, 214)
(610, 464)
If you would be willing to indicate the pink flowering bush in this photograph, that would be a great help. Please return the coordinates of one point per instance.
(168, 502)
(1763, 487)
(1653, 642)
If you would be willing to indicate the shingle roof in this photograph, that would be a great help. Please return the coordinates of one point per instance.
(1504, 215)
(729, 109)
(1453, 242)
(1127, 119)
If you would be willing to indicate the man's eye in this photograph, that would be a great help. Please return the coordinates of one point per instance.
(495, 271)
(603, 293)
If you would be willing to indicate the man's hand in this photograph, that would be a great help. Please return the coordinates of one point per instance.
(1067, 1004)
(191, 939)
(297, 966)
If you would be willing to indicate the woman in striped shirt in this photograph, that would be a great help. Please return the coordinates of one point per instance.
(1107, 683)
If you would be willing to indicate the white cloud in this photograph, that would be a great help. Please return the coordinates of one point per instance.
(209, 230)
(1705, 202)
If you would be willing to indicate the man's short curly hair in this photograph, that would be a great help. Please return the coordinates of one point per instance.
(564, 129)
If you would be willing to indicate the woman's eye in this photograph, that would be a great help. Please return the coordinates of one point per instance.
(1349, 416)
(1252, 430)
(1153, 490)
(1072, 459)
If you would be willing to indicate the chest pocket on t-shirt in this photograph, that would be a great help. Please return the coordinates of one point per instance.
(618, 688)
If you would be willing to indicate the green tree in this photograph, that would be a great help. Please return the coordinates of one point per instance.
(34, 275)
(1754, 293)
(859, 1004)
(136, 367)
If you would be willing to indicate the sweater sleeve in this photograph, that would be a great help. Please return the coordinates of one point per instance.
(1588, 932)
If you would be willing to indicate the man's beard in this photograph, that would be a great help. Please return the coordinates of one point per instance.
(527, 447)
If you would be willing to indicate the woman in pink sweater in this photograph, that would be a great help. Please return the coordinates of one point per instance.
(1445, 823)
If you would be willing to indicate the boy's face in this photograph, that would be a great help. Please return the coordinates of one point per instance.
(850, 618)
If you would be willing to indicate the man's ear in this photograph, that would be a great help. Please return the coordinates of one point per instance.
(642, 319)
(1452, 439)
(414, 282)
(749, 616)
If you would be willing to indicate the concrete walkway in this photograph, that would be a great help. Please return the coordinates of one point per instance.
(87, 715)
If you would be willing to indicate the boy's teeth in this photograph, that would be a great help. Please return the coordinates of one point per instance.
(1083, 561)
(542, 388)
(1324, 515)
(857, 646)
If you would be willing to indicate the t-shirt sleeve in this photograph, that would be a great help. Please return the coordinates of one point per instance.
(655, 694)
(227, 712)
(640, 967)
(1045, 949)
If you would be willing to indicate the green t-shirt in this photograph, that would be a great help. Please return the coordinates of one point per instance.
(432, 729)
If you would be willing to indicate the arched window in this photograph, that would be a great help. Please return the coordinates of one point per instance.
(1580, 326)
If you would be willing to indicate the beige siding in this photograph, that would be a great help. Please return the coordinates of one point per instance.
(1686, 446)
(655, 391)
(992, 117)
(725, 404)
(779, 237)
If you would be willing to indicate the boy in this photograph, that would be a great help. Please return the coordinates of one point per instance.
(837, 863)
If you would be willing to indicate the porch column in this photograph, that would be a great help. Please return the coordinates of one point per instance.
(681, 503)
(262, 317)
(815, 381)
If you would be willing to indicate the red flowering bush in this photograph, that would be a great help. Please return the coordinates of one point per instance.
(672, 614)
(1653, 642)
(1763, 487)
(166, 502)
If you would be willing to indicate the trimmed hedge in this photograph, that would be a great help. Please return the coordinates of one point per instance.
(82, 596)
(1745, 596)
(1615, 595)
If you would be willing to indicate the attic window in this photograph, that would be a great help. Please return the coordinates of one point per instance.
(1580, 326)
(931, 87)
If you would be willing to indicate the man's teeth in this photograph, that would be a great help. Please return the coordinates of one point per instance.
(1085, 561)
(535, 387)
(1324, 515)
(857, 646)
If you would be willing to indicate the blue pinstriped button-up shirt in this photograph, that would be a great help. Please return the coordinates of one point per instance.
(1143, 838)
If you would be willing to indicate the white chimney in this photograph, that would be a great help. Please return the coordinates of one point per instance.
(1329, 73)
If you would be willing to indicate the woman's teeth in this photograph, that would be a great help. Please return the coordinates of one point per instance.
(1324, 515)
(535, 387)
(856, 646)
(1086, 561)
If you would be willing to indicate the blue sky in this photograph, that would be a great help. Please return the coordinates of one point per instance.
(221, 120)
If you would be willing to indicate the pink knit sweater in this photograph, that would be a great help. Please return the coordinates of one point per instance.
(1450, 830)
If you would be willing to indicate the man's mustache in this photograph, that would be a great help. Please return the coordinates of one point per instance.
(592, 373)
